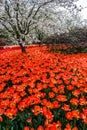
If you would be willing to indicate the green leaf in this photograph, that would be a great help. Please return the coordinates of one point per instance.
(38, 120)
(9, 83)
(47, 90)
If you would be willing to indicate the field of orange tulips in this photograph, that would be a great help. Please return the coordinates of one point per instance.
(41, 90)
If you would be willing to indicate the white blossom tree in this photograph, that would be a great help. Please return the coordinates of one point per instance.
(20, 17)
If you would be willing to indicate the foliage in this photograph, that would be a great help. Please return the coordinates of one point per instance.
(52, 39)
(78, 35)
(40, 35)
(71, 50)
(74, 37)
(5, 37)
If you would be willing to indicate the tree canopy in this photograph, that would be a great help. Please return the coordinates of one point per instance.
(20, 17)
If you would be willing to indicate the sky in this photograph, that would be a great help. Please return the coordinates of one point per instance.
(83, 3)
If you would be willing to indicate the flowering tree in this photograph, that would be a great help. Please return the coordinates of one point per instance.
(20, 17)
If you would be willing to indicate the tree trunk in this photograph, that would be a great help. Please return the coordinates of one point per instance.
(22, 48)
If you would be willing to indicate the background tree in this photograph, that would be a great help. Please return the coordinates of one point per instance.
(59, 22)
(20, 17)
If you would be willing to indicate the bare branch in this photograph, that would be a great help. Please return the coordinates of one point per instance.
(30, 12)
(7, 28)
(45, 3)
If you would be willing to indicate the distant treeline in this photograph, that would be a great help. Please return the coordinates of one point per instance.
(74, 37)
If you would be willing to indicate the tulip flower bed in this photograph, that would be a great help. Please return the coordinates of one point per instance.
(41, 90)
